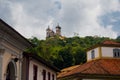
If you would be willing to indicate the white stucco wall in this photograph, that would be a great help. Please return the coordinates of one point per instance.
(96, 54)
(108, 51)
(41, 67)
(6, 60)
(105, 52)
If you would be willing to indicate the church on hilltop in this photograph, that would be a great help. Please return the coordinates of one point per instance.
(51, 33)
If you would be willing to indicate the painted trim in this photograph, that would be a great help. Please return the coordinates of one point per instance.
(87, 56)
(109, 58)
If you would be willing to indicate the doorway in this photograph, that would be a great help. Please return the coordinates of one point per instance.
(10, 74)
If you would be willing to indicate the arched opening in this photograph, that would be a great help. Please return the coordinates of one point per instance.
(10, 74)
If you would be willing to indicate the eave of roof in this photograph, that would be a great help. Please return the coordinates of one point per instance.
(41, 60)
(66, 70)
(107, 43)
(18, 34)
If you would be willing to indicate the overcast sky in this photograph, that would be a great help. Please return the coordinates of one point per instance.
(85, 17)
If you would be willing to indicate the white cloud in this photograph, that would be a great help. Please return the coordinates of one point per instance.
(83, 16)
(110, 6)
(23, 22)
(31, 18)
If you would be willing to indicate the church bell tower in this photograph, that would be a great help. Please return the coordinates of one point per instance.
(58, 30)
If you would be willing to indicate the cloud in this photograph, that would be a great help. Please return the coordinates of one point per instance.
(31, 18)
(28, 21)
(23, 22)
(82, 16)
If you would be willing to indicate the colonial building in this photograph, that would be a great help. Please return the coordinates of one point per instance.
(36, 68)
(51, 33)
(12, 45)
(103, 63)
(17, 65)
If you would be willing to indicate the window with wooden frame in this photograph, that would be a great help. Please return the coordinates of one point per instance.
(93, 54)
(44, 74)
(53, 77)
(35, 69)
(49, 76)
(116, 53)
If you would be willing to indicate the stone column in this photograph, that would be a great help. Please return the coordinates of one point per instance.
(1, 62)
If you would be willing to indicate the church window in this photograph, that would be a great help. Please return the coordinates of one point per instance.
(116, 53)
(92, 54)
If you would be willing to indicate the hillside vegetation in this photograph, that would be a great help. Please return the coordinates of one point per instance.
(65, 52)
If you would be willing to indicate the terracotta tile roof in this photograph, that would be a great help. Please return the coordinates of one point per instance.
(69, 68)
(109, 42)
(66, 70)
(98, 67)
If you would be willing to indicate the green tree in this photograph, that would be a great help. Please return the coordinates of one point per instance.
(66, 57)
(118, 39)
(65, 52)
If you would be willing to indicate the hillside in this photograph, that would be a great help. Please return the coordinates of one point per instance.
(65, 52)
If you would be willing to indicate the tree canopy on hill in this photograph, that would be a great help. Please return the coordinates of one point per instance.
(65, 52)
